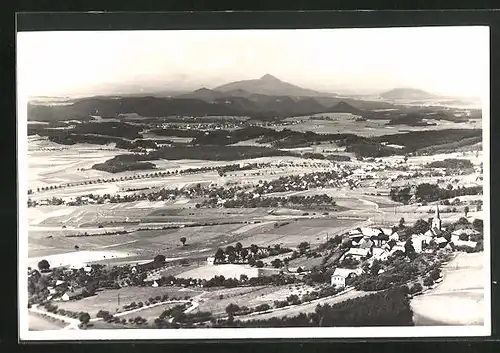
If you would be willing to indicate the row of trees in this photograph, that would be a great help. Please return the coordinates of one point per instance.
(431, 192)
(251, 254)
(388, 308)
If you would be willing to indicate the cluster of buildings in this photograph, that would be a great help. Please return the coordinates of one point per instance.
(62, 290)
(380, 243)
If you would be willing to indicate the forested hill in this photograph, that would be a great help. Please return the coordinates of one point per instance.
(256, 106)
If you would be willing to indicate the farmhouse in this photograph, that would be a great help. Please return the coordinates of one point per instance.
(210, 260)
(370, 232)
(420, 241)
(340, 275)
(357, 253)
(394, 236)
(397, 248)
(465, 243)
(380, 254)
(467, 231)
(441, 241)
(73, 295)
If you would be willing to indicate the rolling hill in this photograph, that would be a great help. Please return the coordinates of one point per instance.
(343, 107)
(269, 85)
(408, 94)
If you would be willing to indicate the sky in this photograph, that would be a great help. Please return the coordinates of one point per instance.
(452, 61)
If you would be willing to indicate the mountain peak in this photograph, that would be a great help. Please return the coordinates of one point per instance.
(268, 77)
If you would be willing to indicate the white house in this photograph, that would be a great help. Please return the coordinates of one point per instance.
(155, 284)
(394, 236)
(357, 253)
(380, 254)
(369, 232)
(441, 241)
(337, 281)
(465, 231)
(210, 260)
(419, 241)
(340, 275)
(387, 231)
(355, 233)
(396, 248)
(469, 244)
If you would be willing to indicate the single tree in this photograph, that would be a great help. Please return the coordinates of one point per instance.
(478, 224)
(254, 249)
(183, 241)
(231, 309)
(277, 263)
(44, 266)
(410, 250)
(219, 255)
(238, 247)
(421, 226)
(77, 247)
(159, 258)
(466, 210)
(84, 318)
(402, 223)
(303, 247)
(244, 254)
(231, 257)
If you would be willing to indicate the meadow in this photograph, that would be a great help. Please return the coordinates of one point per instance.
(108, 299)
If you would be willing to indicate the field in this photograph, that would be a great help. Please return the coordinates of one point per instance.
(346, 123)
(217, 300)
(50, 163)
(304, 308)
(228, 271)
(108, 299)
(149, 314)
(459, 299)
(76, 235)
(38, 322)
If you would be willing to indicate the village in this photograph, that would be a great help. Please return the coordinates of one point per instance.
(348, 262)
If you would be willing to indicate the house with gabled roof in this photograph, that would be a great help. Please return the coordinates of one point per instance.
(357, 253)
(441, 241)
(465, 243)
(369, 232)
(73, 295)
(340, 275)
(420, 241)
(366, 244)
(468, 231)
(380, 254)
(396, 248)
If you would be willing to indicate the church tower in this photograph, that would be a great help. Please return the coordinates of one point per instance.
(436, 221)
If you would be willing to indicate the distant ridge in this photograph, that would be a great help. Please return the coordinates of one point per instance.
(408, 94)
(343, 107)
(269, 85)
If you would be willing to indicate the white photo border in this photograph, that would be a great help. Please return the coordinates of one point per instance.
(239, 333)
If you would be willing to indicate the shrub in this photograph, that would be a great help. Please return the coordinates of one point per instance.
(417, 287)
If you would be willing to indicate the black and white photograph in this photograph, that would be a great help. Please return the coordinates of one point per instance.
(284, 183)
